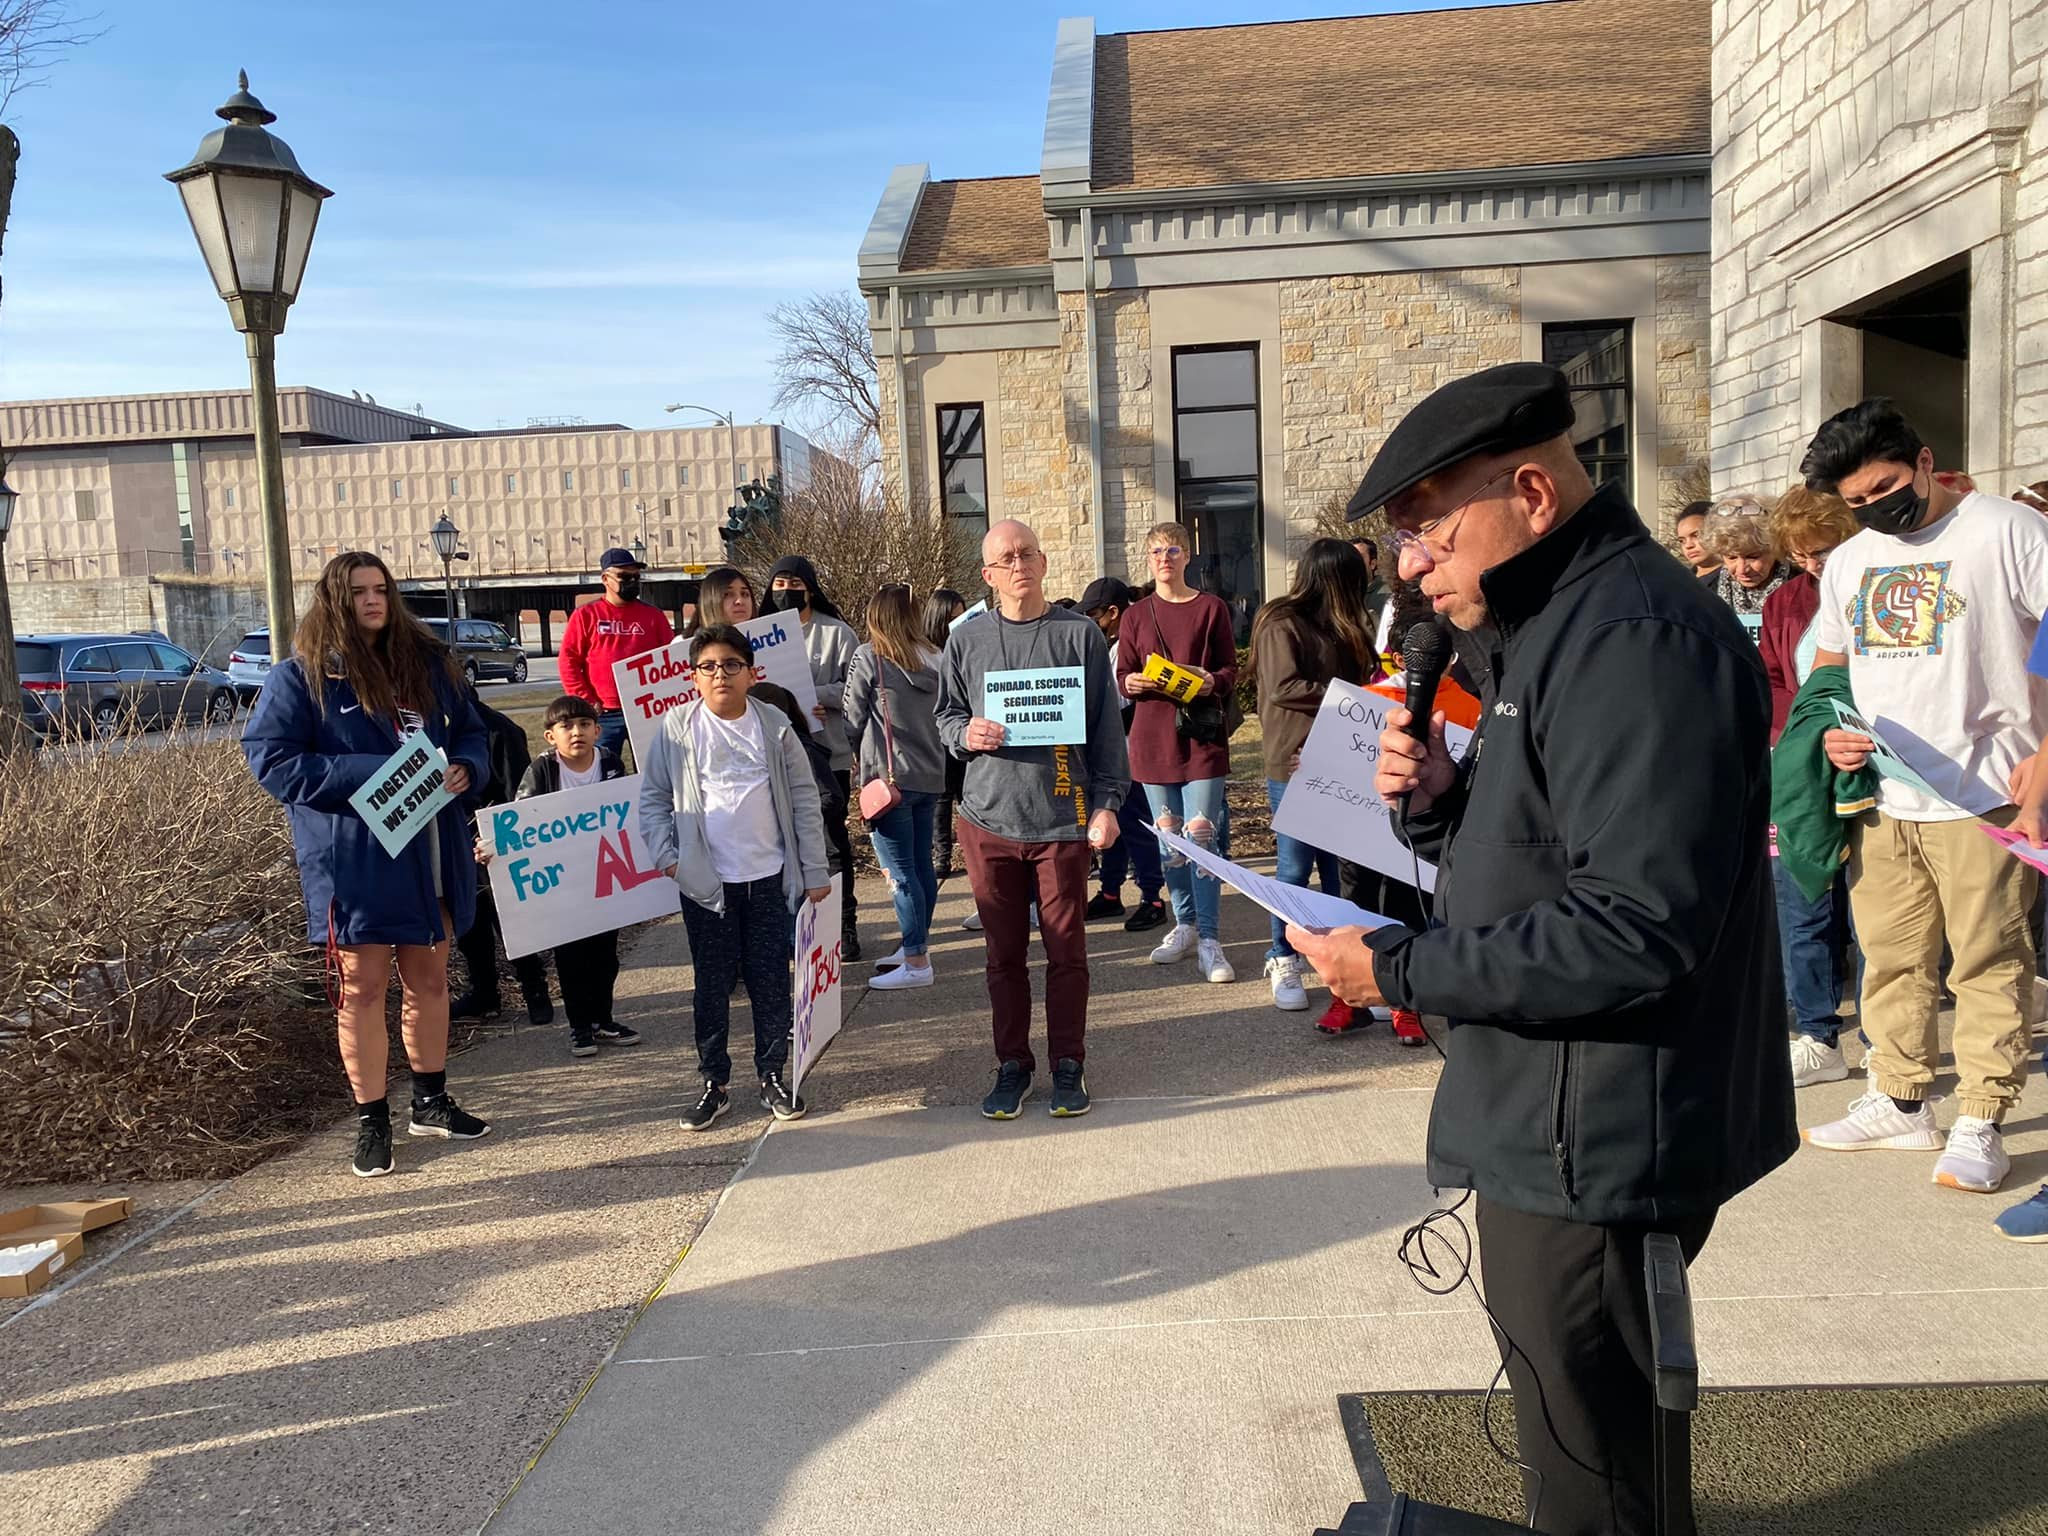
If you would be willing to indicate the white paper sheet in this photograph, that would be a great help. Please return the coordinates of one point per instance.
(1308, 909)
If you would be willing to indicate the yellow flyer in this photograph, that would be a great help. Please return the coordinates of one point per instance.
(1177, 682)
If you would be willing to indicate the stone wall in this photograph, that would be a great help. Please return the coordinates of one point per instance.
(1684, 403)
(205, 617)
(115, 604)
(1041, 460)
(1123, 346)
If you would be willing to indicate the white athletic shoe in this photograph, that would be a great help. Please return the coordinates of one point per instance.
(972, 921)
(1177, 945)
(1283, 972)
(1875, 1121)
(894, 957)
(904, 976)
(1975, 1159)
(1213, 963)
(1813, 1062)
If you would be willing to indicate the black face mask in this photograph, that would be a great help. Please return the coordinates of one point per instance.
(787, 600)
(629, 588)
(1897, 513)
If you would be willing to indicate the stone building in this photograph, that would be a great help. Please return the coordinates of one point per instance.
(1880, 221)
(1248, 250)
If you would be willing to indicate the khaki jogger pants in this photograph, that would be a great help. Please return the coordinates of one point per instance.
(1909, 883)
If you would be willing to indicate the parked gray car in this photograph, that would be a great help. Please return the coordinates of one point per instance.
(106, 683)
(483, 649)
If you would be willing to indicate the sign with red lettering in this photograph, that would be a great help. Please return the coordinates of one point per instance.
(569, 865)
(655, 682)
(816, 982)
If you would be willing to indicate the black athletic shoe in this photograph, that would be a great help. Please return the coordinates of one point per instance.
(540, 1009)
(1005, 1101)
(715, 1102)
(581, 1041)
(1102, 904)
(1148, 914)
(779, 1101)
(472, 1006)
(612, 1032)
(442, 1116)
(373, 1148)
(849, 945)
(1069, 1088)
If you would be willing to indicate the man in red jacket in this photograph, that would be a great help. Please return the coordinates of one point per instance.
(602, 634)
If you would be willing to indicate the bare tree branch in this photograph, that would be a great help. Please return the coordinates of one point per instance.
(32, 34)
(826, 358)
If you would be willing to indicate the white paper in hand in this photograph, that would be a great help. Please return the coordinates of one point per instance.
(1313, 910)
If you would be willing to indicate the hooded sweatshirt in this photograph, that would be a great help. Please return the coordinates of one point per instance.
(912, 723)
(829, 644)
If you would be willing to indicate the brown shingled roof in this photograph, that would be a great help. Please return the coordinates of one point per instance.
(1503, 85)
(997, 222)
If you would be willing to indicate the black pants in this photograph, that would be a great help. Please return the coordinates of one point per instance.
(1571, 1298)
(588, 969)
(842, 852)
(753, 938)
(479, 948)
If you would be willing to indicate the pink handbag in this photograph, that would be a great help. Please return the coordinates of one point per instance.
(878, 797)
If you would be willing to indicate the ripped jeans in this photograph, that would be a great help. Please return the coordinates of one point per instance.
(903, 847)
(1175, 807)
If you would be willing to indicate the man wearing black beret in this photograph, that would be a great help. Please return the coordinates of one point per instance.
(1605, 945)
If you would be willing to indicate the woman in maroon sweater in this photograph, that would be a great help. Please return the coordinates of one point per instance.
(1183, 779)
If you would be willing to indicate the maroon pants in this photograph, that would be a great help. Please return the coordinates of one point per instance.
(1007, 877)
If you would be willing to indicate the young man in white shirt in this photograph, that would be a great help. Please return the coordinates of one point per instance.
(1933, 609)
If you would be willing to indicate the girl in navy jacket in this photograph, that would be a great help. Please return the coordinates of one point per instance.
(364, 673)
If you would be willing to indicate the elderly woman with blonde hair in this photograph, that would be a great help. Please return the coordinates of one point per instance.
(1738, 531)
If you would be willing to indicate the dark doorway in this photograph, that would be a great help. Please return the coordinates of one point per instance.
(1916, 349)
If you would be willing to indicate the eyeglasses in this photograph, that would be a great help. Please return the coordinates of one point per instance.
(732, 668)
(1171, 551)
(1016, 559)
(1737, 506)
(1406, 539)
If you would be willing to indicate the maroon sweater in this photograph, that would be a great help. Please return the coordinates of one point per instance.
(1195, 633)
(1787, 612)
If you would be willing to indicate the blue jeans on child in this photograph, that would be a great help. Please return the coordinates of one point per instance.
(1297, 861)
(1195, 901)
(752, 937)
(903, 846)
(1818, 950)
(1135, 851)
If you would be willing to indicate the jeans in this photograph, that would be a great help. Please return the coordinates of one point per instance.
(753, 937)
(1135, 850)
(903, 847)
(588, 970)
(611, 734)
(1007, 877)
(1814, 936)
(1194, 901)
(1297, 861)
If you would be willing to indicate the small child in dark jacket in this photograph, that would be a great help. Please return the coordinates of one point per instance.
(586, 968)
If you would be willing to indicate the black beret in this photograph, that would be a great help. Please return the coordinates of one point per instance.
(1492, 411)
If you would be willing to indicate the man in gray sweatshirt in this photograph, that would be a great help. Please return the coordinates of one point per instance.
(1029, 815)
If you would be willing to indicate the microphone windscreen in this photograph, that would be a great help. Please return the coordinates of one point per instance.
(1425, 650)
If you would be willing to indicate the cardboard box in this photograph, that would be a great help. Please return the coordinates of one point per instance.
(69, 1246)
(63, 1218)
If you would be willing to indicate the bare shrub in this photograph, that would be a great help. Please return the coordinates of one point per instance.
(160, 1013)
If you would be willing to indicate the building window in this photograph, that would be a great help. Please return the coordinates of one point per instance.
(963, 464)
(1594, 356)
(85, 505)
(455, 485)
(511, 485)
(625, 479)
(398, 490)
(340, 492)
(181, 483)
(740, 470)
(1216, 473)
(229, 501)
(683, 476)
(568, 479)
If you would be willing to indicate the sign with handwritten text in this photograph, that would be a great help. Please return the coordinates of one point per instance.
(815, 1017)
(655, 682)
(1330, 802)
(1037, 706)
(405, 793)
(569, 865)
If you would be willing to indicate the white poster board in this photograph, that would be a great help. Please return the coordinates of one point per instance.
(815, 979)
(569, 865)
(655, 682)
(1330, 802)
(405, 793)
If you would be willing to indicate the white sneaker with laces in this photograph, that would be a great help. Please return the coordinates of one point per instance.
(1177, 945)
(972, 922)
(894, 957)
(1214, 964)
(1815, 1062)
(905, 975)
(1975, 1159)
(1875, 1121)
(1284, 974)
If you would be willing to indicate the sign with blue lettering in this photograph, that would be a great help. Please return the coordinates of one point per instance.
(569, 865)
(405, 793)
(1037, 706)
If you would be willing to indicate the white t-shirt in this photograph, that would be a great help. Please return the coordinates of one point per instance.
(1937, 626)
(739, 807)
(571, 779)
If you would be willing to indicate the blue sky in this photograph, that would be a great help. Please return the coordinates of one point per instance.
(539, 210)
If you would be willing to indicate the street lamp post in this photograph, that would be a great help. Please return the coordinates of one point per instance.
(12, 737)
(253, 212)
(446, 536)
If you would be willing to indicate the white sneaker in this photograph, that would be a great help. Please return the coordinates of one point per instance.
(1975, 1159)
(905, 975)
(1178, 945)
(1216, 965)
(894, 957)
(1875, 1121)
(1813, 1062)
(972, 921)
(1283, 972)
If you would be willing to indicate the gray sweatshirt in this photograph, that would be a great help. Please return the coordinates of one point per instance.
(1034, 794)
(830, 644)
(913, 700)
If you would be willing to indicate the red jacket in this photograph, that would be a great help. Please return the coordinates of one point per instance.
(1787, 612)
(598, 637)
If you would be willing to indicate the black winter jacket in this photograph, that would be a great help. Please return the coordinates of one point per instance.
(544, 777)
(1606, 943)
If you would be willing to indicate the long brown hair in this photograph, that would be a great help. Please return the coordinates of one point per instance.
(1328, 596)
(895, 628)
(389, 670)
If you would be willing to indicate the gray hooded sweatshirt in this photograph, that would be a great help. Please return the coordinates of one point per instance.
(829, 644)
(913, 700)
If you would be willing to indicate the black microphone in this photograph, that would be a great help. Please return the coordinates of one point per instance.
(1425, 656)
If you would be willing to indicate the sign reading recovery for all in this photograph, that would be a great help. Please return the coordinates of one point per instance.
(1037, 706)
(405, 793)
(568, 865)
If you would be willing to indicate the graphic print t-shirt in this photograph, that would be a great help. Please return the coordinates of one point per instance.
(1937, 627)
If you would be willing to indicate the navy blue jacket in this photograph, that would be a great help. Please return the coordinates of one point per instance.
(312, 759)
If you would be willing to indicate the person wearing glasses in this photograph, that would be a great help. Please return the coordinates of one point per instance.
(1738, 534)
(1029, 815)
(1604, 945)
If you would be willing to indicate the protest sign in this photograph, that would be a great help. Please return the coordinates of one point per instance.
(815, 1017)
(1041, 707)
(569, 865)
(1330, 802)
(655, 682)
(1882, 756)
(1317, 911)
(1176, 682)
(972, 613)
(405, 793)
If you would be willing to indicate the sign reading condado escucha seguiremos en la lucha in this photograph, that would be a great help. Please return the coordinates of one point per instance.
(655, 682)
(569, 865)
